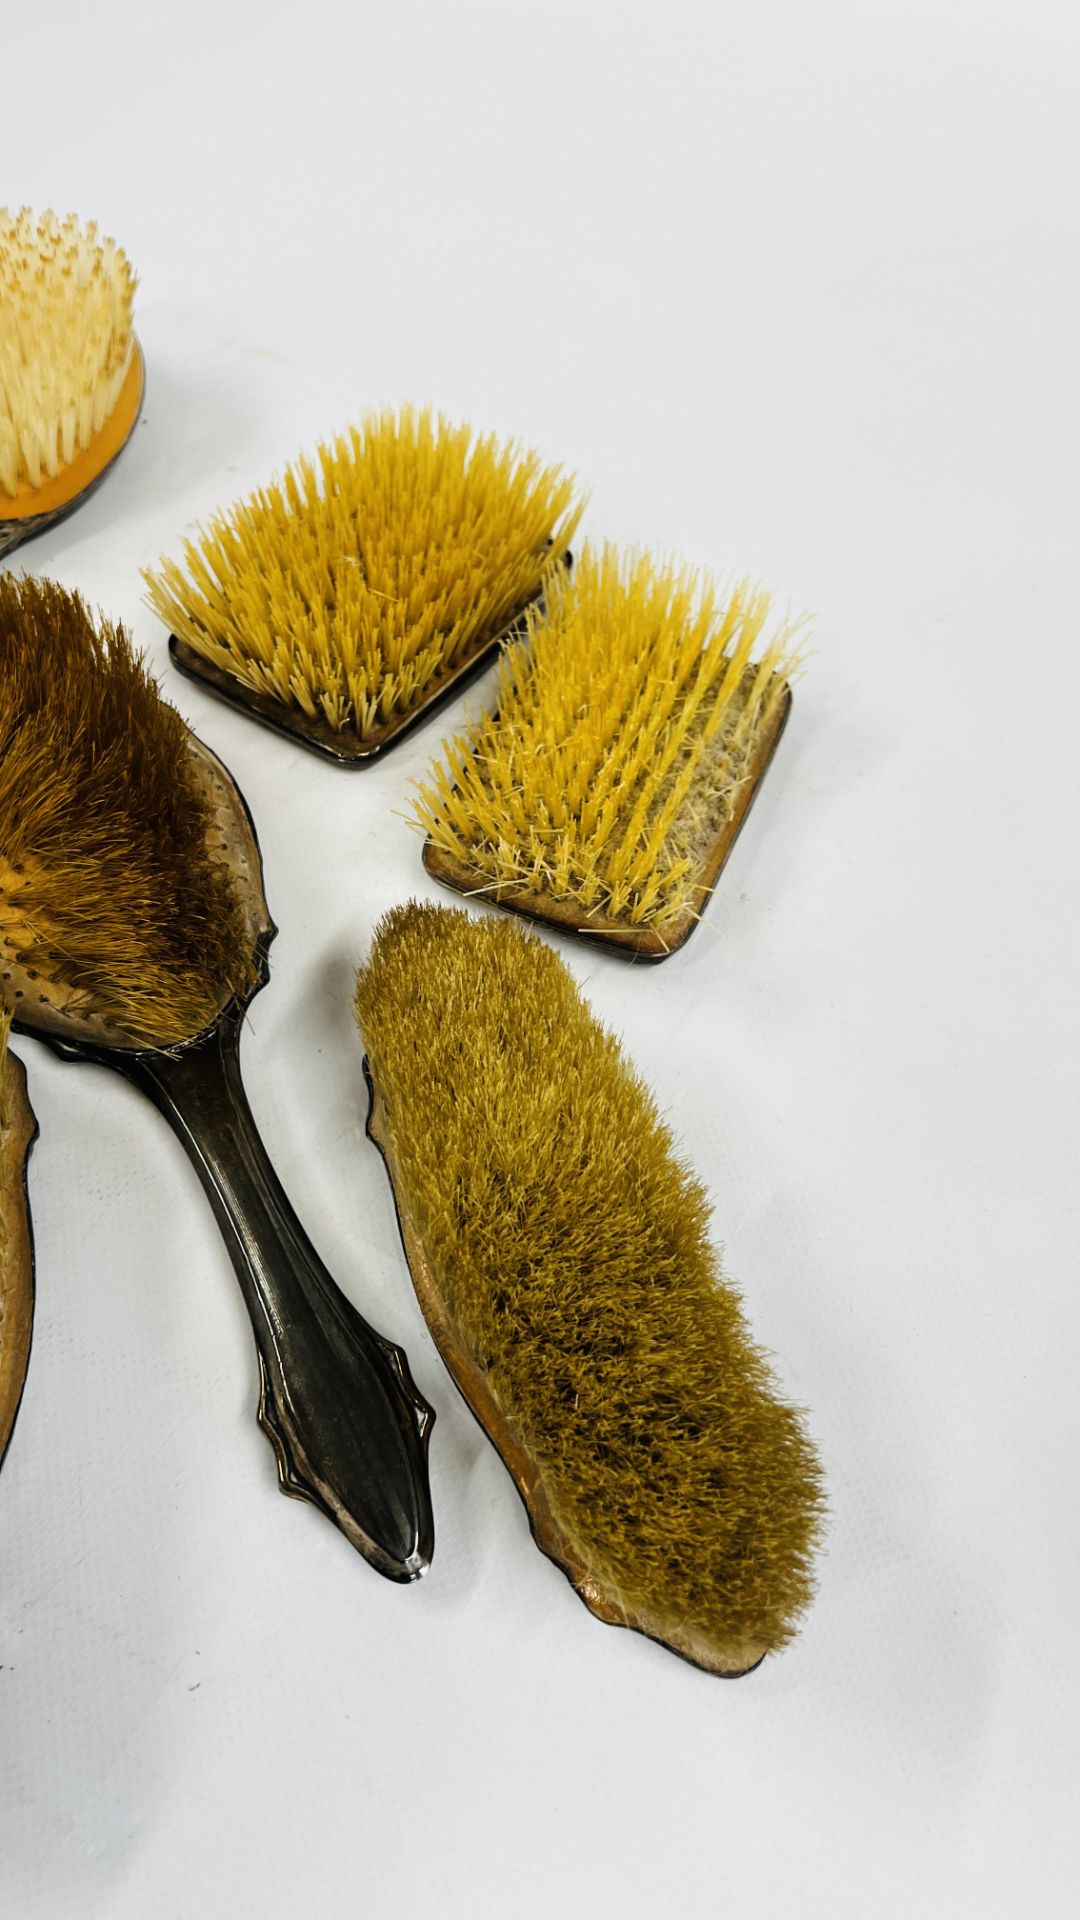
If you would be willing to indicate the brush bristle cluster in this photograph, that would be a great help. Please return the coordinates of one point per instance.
(66, 342)
(571, 1247)
(350, 588)
(107, 886)
(625, 724)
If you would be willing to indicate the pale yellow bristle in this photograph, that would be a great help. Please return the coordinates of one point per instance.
(348, 589)
(624, 726)
(66, 341)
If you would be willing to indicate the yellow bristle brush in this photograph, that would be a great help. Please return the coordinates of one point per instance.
(71, 373)
(341, 603)
(560, 1252)
(134, 931)
(18, 1131)
(634, 723)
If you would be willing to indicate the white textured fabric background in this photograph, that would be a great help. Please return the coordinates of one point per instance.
(795, 289)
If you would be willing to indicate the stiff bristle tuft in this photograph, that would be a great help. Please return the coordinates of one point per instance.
(66, 341)
(571, 1249)
(351, 588)
(626, 723)
(107, 886)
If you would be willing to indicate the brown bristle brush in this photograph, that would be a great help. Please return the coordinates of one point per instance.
(18, 1131)
(71, 372)
(134, 932)
(635, 722)
(343, 603)
(561, 1254)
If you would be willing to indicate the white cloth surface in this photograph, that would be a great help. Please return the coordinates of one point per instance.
(795, 290)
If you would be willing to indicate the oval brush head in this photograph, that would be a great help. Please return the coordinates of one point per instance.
(133, 933)
(341, 603)
(119, 916)
(18, 1130)
(634, 724)
(560, 1253)
(71, 374)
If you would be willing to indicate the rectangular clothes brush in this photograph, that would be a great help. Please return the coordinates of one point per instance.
(344, 602)
(634, 724)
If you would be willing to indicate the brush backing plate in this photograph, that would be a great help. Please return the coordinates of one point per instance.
(728, 1663)
(345, 749)
(638, 943)
(37, 508)
(18, 1131)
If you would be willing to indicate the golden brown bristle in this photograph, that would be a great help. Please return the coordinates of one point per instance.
(107, 884)
(66, 353)
(562, 1254)
(349, 590)
(628, 723)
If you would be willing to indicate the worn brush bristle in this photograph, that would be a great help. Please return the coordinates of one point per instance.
(626, 722)
(349, 589)
(106, 882)
(66, 342)
(570, 1247)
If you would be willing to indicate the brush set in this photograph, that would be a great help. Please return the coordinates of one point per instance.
(559, 1248)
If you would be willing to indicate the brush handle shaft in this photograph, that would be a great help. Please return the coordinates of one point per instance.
(347, 1423)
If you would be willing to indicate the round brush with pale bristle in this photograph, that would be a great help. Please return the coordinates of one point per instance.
(71, 372)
